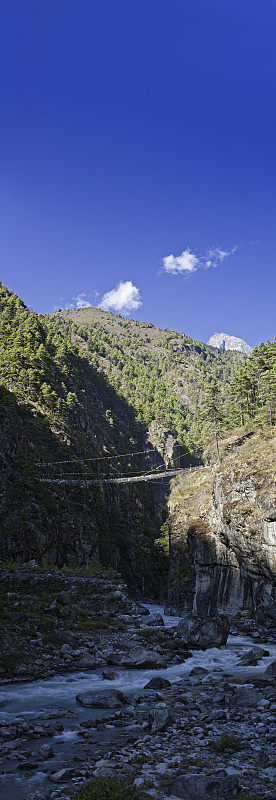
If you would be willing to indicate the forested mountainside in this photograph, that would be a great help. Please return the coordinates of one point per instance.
(126, 369)
(83, 385)
(161, 373)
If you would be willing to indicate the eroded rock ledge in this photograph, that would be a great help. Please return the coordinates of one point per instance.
(223, 524)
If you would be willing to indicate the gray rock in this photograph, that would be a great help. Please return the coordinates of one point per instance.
(263, 759)
(157, 683)
(212, 632)
(206, 787)
(87, 661)
(104, 772)
(63, 775)
(161, 718)
(104, 769)
(115, 658)
(143, 611)
(140, 658)
(109, 699)
(108, 675)
(251, 657)
(45, 751)
(271, 670)
(246, 696)
(199, 672)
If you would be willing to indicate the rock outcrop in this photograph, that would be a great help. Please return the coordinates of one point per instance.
(223, 526)
(227, 342)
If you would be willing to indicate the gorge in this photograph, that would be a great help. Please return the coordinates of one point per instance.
(133, 538)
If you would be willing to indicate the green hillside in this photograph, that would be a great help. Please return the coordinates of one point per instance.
(101, 380)
(162, 374)
(98, 393)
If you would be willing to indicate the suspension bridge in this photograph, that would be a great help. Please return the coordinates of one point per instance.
(153, 476)
(159, 473)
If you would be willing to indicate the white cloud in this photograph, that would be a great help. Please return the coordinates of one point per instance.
(217, 255)
(125, 297)
(186, 262)
(81, 301)
(191, 262)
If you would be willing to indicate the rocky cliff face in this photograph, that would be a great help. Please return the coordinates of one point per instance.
(223, 523)
(74, 525)
(226, 342)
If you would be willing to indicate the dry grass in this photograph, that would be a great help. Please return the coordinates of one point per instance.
(244, 483)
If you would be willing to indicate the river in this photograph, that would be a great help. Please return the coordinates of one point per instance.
(58, 694)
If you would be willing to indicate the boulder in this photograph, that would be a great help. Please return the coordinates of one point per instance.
(199, 672)
(271, 670)
(251, 657)
(62, 775)
(246, 696)
(141, 658)
(114, 659)
(157, 683)
(109, 699)
(211, 632)
(263, 759)
(44, 752)
(161, 718)
(206, 787)
(87, 661)
(143, 611)
(104, 769)
(108, 675)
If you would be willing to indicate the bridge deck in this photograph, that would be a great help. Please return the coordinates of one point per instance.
(133, 479)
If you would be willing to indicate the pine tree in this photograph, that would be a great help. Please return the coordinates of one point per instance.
(213, 413)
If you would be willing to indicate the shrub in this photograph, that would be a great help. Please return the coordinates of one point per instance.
(107, 789)
(226, 743)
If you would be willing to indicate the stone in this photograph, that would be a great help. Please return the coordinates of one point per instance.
(263, 759)
(62, 775)
(104, 772)
(271, 670)
(206, 787)
(109, 699)
(157, 683)
(87, 661)
(246, 696)
(161, 718)
(143, 611)
(199, 672)
(108, 675)
(45, 751)
(251, 657)
(211, 632)
(115, 658)
(28, 765)
(141, 658)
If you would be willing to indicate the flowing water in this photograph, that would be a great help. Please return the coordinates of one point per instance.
(58, 694)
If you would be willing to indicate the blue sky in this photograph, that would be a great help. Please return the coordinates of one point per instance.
(137, 147)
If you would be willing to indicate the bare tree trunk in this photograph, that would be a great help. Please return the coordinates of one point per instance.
(216, 439)
(270, 416)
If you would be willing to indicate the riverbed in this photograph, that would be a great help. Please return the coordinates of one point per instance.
(55, 699)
